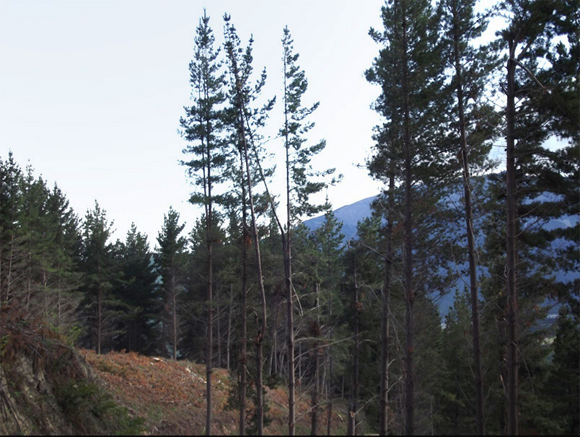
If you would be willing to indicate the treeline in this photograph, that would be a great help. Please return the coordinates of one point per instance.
(356, 322)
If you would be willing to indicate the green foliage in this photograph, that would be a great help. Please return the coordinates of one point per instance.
(137, 291)
(170, 265)
(54, 266)
(89, 409)
(563, 385)
(301, 180)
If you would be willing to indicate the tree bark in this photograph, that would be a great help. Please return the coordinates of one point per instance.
(384, 399)
(286, 243)
(479, 419)
(512, 299)
(244, 334)
(315, 372)
(355, 390)
(408, 265)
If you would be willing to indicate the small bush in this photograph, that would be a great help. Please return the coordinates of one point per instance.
(89, 408)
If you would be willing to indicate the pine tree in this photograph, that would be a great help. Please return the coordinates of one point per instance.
(10, 209)
(245, 122)
(205, 121)
(62, 275)
(530, 26)
(39, 249)
(169, 260)
(137, 291)
(471, 70)
(301, 183)
(409, 69)
(99, 276)
(328, 240)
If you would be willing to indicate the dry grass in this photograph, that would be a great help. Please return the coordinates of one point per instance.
(170, 396)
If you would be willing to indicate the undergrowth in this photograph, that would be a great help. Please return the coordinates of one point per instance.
(84, 404)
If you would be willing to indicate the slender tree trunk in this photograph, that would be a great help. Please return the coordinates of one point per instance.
(329, 389)
(29, 281)
(244, 334)
(173, 317)
(261, 323)
(218, 333)
(299, 365)
(209, 355)
(286, 243)
(470, 241)
(290, 333)
(229, 339)
(9, 274)
(329, 418)
(274, 354)
(208, 203)
(245, 161)
(315, 393)
(99, 320)
(316, 369)
(384, 401)
(512, 299)
(408, 265)
(355, 370)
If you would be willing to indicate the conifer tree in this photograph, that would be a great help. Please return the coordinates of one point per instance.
(202, 127)
(244, 122)
(170, 260)
(409, 69)
(99, 276)
(137, 291)
(526, 38)
(62, 275)
(39, 248)
(472, 121)
(328, 240)
(10, 209)
(301, 183)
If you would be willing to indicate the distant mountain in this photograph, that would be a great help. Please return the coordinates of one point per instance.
(348, 215)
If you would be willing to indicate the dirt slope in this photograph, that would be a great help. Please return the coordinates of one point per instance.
(170, 396)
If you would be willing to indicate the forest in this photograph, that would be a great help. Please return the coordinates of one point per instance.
(349, 323)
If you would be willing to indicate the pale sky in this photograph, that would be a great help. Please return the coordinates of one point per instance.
(91, 93)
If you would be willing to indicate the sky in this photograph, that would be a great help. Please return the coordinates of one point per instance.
(91, 93)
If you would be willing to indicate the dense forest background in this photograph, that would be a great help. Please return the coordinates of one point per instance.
(251, 289)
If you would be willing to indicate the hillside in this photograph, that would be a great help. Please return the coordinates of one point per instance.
(48, 387)
(348, 215)
(170, 396)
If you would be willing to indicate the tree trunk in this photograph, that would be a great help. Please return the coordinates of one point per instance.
(330, 375)
(290, 334)
(99, 320)
(244, 334)
(315, 371)
(286, 243)
(209, 238)
(408, 264)
(229, 339)
(355, 371)
(173, 317)
(384, 400)
(261, 324)
(470, 241)
(218, 333)
(512, 299)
